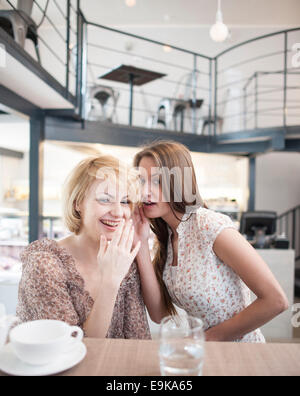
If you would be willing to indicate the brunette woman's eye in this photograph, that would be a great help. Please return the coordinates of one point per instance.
(126, 202)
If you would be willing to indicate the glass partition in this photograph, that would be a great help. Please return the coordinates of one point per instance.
(14, 188)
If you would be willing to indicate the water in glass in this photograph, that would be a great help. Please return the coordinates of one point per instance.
(181, 349)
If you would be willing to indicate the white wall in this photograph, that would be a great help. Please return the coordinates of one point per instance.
(277, 181)
(218, 175)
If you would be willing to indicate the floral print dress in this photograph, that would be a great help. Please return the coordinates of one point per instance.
(201, 283)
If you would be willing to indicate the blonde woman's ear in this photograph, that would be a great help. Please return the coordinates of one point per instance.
(77, 209)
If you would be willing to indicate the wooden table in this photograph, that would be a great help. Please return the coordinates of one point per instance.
(111, 357)
(133, 76)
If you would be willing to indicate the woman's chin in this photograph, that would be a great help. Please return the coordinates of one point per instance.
(153, 211)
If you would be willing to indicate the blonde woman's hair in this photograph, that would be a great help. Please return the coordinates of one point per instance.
(79, 181)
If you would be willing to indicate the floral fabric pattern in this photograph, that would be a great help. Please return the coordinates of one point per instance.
(202, 284)
(52, 288)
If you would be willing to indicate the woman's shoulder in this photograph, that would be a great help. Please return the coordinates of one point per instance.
(43, 253)
(210, 214)
(42, 246)
(210, 221)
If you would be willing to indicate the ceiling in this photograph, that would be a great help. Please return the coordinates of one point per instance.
(195, 12)
(178, 12)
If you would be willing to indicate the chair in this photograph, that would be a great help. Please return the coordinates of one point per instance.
(20, 26)
(170, 111)
(97, 103)
(206, 121)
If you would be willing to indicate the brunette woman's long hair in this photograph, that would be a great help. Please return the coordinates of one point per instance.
(173, 159)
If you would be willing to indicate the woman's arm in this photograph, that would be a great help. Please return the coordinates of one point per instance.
(99, 319)
(232, 248)
(151, 290)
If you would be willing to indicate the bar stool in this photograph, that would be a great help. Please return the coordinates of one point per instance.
(97, 104)
(20, 26)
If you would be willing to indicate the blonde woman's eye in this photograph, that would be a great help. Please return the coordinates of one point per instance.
(142, 181)
(103, 200)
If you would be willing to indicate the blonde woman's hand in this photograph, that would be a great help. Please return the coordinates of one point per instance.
(115, 258)
(141, 226)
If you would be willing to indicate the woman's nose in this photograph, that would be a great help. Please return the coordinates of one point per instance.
(146, 191)
(117, 210)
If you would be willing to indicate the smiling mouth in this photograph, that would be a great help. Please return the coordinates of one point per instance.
(111, 224)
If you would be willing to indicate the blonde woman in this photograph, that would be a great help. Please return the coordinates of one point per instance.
(89, 279)
(202, 263)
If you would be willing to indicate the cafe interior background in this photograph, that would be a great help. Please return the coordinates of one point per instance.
(235, 106)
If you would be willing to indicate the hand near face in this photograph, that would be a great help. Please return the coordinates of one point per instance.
(115, 258)
(141, 226)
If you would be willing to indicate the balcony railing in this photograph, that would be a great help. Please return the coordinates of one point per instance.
(264, 89)
(252, 85)
(289, 225)
(53, 26)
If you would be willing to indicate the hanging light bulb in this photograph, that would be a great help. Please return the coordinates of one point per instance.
(167, 48)
(219, 31)
(130, 3)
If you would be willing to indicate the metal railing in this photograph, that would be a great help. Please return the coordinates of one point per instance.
(259, 100)
(257, 94)
(183, 74)
(288, 223)
(239, 91)
(268, 86)
(56, 30)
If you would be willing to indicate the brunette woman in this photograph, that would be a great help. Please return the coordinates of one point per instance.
(202, 263)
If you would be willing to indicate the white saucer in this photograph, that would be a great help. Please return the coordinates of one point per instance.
(11, 365)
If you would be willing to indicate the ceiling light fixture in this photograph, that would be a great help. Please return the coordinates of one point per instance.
(219, 31)
(167, 48)
(130, 3)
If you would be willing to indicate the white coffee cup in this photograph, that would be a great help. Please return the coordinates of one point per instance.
(40, 342)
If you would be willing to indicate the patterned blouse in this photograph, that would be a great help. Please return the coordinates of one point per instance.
(202, 284)
(52, 288)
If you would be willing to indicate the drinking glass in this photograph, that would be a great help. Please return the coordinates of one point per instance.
(181, 350)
